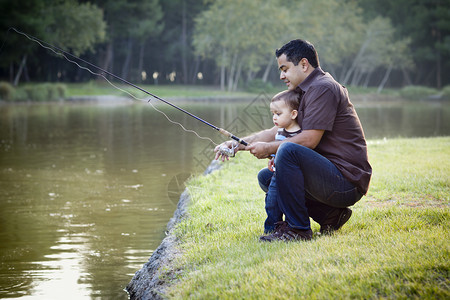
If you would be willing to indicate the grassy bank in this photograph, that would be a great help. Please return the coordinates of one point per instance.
(194, 91)
(396, 244)
(44, 92)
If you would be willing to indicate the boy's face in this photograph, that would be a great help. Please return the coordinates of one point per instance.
(291, 74)
(283, 115)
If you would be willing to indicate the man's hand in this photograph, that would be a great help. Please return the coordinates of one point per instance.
(259, 149)
(228, 144)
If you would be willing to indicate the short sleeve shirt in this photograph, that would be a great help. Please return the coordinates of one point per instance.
(325, 105)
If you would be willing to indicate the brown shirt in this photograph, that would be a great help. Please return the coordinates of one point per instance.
(325, 105)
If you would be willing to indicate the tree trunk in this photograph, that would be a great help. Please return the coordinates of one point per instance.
(141, 60)
(406, 77)
(184, 64)
(222, 71)
(231, 75)
(195, 70)
(237, 77)
(438, 61)
(356, 60)
(107, 64)
(366, 82)
(267, 70)
(126, 64)
(385, 78)
(11, 72)
(19, 72)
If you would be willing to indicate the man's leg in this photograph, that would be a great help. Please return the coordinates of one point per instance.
(302, 171)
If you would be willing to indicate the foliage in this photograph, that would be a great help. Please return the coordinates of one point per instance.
(417, 92)
(361, 42)
(69, 24)
(446, 93)
(395, 244)
(258, 86)
(230, 32)
(427, 25)
(6, 91)
(40, 92)
(78, 27)
(378, 48)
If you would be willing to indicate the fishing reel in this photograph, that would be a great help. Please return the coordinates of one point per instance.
(224, 150)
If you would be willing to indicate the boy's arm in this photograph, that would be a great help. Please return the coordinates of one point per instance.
(267, 135)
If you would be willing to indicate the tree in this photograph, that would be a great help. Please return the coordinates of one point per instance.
(238, 35)
(175, 48)
(73, 26)
(129, 23)
(336, 29)
(378, 49)
(427, 24)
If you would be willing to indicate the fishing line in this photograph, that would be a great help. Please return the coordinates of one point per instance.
(64, 54)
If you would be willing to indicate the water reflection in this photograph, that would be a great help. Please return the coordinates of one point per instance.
(86, 190)
(405, 119)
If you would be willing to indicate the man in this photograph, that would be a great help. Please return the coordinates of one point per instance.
(322, 170)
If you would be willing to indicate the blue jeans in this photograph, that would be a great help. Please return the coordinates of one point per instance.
(305, 184)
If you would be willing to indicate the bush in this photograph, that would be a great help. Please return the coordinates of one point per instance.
(20, 95)
(61, 90)
(446, 93)
(258, 86)
(41, 92)
(417, 92)
(38, 92)
(6, 91)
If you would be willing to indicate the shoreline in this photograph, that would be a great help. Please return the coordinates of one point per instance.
(147, 283)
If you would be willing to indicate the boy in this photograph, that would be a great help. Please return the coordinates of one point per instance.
(284, 108)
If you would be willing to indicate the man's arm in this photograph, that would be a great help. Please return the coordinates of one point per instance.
(266, 136)
(307, 138)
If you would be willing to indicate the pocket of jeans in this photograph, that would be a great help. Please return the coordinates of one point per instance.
(344, 199)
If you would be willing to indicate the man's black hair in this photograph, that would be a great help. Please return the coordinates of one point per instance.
(295, 50)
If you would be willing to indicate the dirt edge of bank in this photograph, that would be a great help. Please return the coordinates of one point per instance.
(151, 281)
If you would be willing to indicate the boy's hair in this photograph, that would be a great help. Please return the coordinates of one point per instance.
(291, 98)
(295, 50)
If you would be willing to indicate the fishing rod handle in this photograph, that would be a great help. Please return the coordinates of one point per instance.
(230, 135)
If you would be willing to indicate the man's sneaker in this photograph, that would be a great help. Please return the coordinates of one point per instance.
(284, 232)
(336, 220)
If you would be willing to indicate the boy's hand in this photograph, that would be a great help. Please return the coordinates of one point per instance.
(271, 164)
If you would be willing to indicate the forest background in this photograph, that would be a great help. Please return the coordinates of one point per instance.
(228, 43)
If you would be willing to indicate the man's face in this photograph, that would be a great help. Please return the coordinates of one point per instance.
(291, 74)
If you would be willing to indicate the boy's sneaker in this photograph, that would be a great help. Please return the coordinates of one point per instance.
(284, 232)
(335, 221)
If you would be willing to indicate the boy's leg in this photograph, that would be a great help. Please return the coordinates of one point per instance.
(273, 211)
(264, 177)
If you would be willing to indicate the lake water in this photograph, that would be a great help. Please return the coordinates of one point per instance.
(86, 189)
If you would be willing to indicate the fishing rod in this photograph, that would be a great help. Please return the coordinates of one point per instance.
(229, 152)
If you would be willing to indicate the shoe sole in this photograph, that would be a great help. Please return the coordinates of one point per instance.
(343, 218)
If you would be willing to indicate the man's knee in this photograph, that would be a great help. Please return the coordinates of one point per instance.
(289, 150)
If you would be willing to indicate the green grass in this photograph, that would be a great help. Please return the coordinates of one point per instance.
(396, 245)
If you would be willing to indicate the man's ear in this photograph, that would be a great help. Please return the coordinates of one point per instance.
(305, 64)
(294, 114)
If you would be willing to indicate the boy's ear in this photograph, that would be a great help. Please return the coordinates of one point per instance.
(294, 114)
